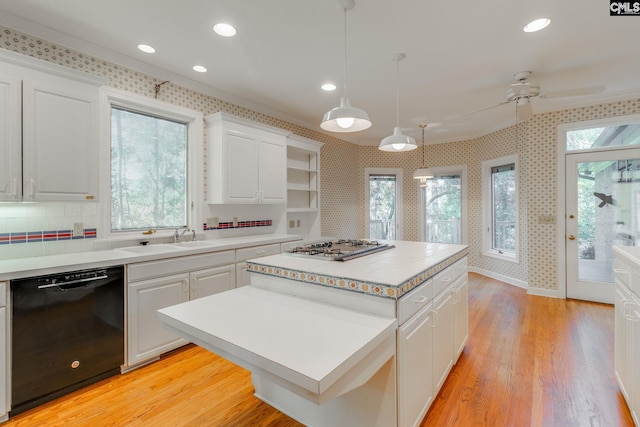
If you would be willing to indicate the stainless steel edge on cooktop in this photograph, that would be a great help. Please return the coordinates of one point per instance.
(339, 250)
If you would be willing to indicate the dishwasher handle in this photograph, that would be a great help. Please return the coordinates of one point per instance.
(65, 286)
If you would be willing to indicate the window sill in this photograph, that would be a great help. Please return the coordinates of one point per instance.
(503, 256)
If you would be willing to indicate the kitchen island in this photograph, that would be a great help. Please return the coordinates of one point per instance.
(376, 354)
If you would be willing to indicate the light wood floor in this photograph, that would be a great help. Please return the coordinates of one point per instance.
(530, 361)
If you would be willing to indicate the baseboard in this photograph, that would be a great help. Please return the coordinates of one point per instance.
(500, 277)
(550, 293)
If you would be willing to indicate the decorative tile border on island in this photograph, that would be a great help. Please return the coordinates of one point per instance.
(355, 285)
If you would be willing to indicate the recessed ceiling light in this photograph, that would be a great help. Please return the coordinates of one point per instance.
(328, 87)
(224, 30)
(146, 48)
(537, 25)
(200, 68)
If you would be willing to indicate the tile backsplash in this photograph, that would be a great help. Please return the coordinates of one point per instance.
(46, 227)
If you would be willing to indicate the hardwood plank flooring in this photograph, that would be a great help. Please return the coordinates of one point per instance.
(530, 361)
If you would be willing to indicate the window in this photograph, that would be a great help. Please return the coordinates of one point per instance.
(153, 164)
(500, 208)
(148, 171)
(443, 206)
(384, 193)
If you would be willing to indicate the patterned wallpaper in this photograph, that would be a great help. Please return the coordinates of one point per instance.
(342, 174)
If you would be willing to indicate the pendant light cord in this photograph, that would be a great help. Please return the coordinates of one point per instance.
(345, 53)
(423, 157)
(398, 89)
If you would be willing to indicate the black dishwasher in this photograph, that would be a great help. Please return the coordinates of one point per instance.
(67, 332)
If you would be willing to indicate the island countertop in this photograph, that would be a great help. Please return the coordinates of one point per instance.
(390, 273)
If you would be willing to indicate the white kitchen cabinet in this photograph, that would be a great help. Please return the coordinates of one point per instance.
(211, 281)
(443, 335)
(49, 133)
(415, 351)
(460, 293)
(158, 284)
(147, 338)
(4, 349)
(622, 338)
(243, 277)
(246, 161)
(303, 186)
(634, 317)
(10, 139)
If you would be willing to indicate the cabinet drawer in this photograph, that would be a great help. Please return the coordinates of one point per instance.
(3, 294)
(448, 276)
(257, 252)
(145, 270)
(414, 301)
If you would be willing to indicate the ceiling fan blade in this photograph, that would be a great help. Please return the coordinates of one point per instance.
(483, 109)
(591, 90)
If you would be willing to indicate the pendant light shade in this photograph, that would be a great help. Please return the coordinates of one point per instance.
(345, 118)
(423, 173)
(398, 141)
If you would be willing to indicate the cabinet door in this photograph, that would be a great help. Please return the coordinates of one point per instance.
(243, 277)
(147, 337)
(60, 140)
(415, 368)
(10, 140)
(461, 315)
(273, 170)
(241, 176)
(443, 338)
(212, 280)
(634, 313)
(622, 339)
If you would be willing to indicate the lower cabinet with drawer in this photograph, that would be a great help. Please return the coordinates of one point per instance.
(433, 329)
(244, 254)
(158, 284)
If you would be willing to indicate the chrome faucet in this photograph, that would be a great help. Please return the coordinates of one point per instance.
(177, 235)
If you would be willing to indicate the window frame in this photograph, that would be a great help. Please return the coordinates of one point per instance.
(399, 201)
(487, 209)
(446, 170)
(195, 143)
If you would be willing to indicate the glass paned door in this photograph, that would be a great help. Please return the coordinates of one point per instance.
(442, 198)
(603, 209)
(383, 196)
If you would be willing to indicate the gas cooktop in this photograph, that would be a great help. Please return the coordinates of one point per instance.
(340, 250)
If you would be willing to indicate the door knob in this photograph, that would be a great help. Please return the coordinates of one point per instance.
(572, 237)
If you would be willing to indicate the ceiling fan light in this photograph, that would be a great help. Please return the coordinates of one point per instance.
(524, 110)
(536, 25)
(398, 142)
(345, 118)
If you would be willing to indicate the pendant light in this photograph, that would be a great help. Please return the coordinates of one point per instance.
(345, 118)
(423, 173)
(398, 141)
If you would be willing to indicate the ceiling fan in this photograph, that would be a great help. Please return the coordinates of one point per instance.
(522, 91)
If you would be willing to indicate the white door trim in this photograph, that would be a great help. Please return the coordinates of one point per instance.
(561, 190)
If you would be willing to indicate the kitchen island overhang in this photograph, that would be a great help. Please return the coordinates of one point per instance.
(265, 328)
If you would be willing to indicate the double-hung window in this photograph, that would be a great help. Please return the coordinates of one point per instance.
(154, 153)
(500, 208)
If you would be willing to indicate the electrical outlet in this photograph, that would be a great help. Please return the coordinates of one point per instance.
(78, 229)
(235, 221)
(292, 224)
(213, 221)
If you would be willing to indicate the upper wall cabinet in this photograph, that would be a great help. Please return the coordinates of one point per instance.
(49, 133)
(246, 161)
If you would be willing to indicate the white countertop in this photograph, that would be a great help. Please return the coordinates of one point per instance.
(309, 344)
(630, 252)
(395, 271)
(35, 266)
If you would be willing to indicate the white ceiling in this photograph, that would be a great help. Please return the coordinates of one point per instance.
(460, 57)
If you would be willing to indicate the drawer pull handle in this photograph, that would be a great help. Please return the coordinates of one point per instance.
(446, 279)
(420, 299)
